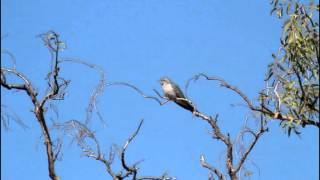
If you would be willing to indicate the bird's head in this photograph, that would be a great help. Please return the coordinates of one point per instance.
(164, 81)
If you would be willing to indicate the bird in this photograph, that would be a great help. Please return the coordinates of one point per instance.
(173, 92)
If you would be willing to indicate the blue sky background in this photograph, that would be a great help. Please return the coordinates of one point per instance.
(139, 41)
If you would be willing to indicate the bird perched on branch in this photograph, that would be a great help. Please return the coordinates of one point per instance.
(174, 93)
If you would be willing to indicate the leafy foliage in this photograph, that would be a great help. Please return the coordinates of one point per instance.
(293, 76)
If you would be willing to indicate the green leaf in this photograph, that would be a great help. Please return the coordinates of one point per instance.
(291, 37)
(270, 73)
(287, 25)
(279, 12)
(288, 7)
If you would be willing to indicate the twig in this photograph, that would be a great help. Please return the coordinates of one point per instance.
(137, 90)
(38, 105)
(96, 92)
(211, 168)
(256, 136)
(262, 109)
(123, 162)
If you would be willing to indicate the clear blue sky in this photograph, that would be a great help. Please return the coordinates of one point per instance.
(139, 41)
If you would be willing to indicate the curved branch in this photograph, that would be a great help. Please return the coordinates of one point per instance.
(80, 132)
(224, 138)
(96, 92)
(123, 162)
(48, 38)
(262, 109)
(137, 90)
(223, 83)
(256, 136)
(38, 105)
(211, 168)
(38, 110)
(12, 58)
(26, 86)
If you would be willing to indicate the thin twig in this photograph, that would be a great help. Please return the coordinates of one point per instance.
(262, 109)
(98, 90)
(136, 89)
(211, 168)
(123, 162)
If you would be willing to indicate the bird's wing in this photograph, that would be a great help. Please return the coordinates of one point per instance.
(178, 92)
(185, 104)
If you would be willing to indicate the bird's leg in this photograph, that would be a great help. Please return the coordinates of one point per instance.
(162, 97)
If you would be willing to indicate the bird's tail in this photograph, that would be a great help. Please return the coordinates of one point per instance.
(186, 105)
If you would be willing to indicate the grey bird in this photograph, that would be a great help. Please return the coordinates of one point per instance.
(174, 93)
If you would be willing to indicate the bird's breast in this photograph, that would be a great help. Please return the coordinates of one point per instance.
(169, 91)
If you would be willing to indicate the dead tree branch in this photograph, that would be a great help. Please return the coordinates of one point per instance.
(52, 41)
(216, 171)
(98, 90)
(262, 109)
(39, 112)
(256, 135)
(124, 165)
(138, 91)
(213, 123)
(232, 168)
(224, 138)
(82, 134)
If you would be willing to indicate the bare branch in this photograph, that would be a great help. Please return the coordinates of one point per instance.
(262, 109)
(26, 86)
(52, 41)
(137, 90)
(124, 165)
(98, 90)
(38, 110)
(256, 136)
(211, 168)
(81, 134)
(224, 138)
(212, 121)
(12, 58)
(5, 117)
(223, 83)
(132, 169)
